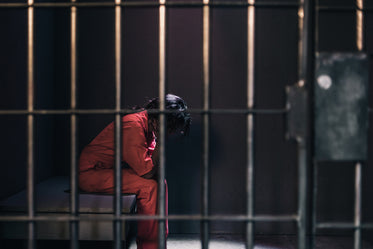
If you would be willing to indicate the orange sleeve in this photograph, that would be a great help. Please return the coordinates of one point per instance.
(135, 148)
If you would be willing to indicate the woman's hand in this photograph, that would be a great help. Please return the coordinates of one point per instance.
(155, 156)
(153, 174)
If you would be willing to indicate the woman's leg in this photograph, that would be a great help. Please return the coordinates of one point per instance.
(146, 190)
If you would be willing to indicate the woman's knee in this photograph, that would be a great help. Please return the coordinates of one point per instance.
(149, 189)
(152, 185)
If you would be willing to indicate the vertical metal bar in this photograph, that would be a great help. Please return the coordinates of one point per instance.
(74, 199)
(302, 194)
(118, 131)
(360, 25)
(30, 126)
(357, 215)
(162, 123)
(305, 76)
(250, 122)
(315, 165)
(360, 47)
(206, 125)
(314, 204)
(306, 39)
(316, 24)
(301, 143)
(301, 44)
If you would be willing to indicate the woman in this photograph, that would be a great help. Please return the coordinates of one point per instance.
(139, 157)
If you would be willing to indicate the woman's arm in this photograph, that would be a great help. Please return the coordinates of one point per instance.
(135, 149)
(153, 174)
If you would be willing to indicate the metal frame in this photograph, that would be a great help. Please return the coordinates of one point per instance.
(305, 75)
(356, 224)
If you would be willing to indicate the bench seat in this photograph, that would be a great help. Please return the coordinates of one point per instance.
(51, 198)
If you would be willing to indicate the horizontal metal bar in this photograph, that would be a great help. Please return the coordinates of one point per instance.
(184, 4)
(128, 111)
(343, 225)
(153, 4)
(61, 218)
(343, 8)
(336, 163)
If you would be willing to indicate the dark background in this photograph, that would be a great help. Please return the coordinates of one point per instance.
(276, 64)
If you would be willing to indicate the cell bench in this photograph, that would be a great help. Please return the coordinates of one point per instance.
(52, 198)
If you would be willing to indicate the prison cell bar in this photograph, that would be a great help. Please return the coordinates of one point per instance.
(233, 218)
(162, 125)
(359, 25)
(343, 225)
(176, 4)
(250, 123)
(314, 162)
(31, 112)
(147, 4)
(305, 79)
(314, 203)
(117, 224)
(300, 140)
(74, 199)
(206, 126)
(357, 206)
(357, 225)
(30, 127)
(129, 111)
(343, 8)
(302, 189)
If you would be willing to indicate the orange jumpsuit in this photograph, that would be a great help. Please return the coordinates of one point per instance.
(96, 172)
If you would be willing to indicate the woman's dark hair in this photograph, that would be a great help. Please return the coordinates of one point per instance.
(179, 118)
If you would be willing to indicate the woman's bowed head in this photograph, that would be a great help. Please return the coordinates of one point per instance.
(177, 117)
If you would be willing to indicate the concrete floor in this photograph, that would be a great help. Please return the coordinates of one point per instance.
(192, 242)
(261, 242)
